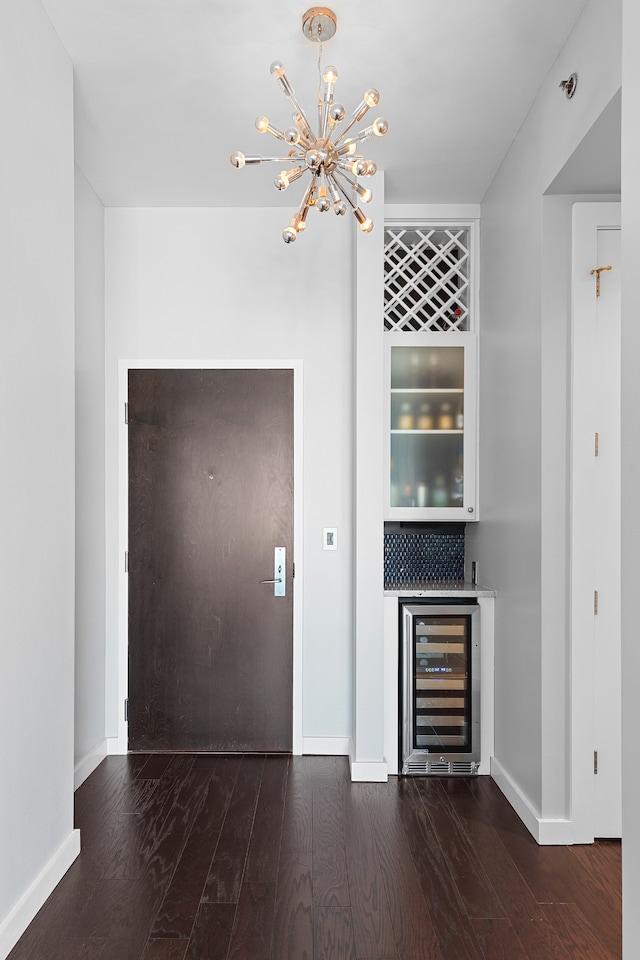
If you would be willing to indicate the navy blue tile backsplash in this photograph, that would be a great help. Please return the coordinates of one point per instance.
(414, 553)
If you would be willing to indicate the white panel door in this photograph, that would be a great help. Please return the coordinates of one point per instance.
(607, 638)
(595, 524)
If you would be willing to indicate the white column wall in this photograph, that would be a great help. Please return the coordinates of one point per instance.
(630, 395)
(37, 840)
(520, 546)
(367, 756)
(90, 746)
(220, 284)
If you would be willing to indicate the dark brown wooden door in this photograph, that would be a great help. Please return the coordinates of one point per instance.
(210, 496)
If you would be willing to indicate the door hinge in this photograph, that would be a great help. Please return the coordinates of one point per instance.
(126, 412)
(293, 570)
(595, 761)
(596, 444)
(126, 561)
(595, 601)
(126, 710)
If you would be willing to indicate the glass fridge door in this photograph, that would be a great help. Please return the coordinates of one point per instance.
(441, 681)
(441, 685)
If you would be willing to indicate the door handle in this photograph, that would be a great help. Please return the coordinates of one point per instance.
(279, 580)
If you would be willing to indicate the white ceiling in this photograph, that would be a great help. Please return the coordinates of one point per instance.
(167, 89)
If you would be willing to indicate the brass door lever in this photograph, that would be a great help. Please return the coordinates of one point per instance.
(598, 271)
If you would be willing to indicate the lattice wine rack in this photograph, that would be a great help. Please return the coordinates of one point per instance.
(426, 285)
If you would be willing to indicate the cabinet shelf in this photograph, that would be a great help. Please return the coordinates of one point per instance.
(425, 433)
(459, 391)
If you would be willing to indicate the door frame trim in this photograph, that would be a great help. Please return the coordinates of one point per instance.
(120, 744)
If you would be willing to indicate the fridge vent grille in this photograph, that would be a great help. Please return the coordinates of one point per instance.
(427, 767)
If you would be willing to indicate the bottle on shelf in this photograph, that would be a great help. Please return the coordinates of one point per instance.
(425, 418)
(460, 415)
(445, 418)
(415, 371)
(405, 420)
(433, 370)
(422, 493)
(440, 495)
(456, 489)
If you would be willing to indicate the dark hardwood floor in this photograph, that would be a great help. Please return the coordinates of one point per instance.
(270, 858)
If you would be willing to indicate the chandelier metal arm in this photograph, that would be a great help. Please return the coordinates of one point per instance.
(306, 202)
(363, 192)
(366, 225)
(369, 100)
(240, 160)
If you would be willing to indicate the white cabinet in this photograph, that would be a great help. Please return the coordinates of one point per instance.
(430, 426)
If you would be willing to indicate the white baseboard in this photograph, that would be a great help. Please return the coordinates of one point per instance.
(367, 771)
(117, 746)
(325, 746)
(88, 764)
(546, 832)
(17, 921)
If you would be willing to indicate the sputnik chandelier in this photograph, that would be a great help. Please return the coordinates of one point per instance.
(331, 160)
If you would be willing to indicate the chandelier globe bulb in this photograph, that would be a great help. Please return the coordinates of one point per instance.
(330, 74)
(365, 224)
(289, 234)
(313, 159)
(323, 204)
(380, 127)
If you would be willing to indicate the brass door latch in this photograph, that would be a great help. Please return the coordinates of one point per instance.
(598, 271)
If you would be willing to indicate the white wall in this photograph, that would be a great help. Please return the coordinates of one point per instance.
(521, 542)
(37, 841)
(220, 284)
(630, 475)
(90, 480)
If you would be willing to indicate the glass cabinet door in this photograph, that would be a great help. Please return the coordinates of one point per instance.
(431, 414)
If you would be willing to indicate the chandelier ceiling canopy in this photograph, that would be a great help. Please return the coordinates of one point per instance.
(330, 157)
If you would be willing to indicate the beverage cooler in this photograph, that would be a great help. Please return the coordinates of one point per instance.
(439, 687)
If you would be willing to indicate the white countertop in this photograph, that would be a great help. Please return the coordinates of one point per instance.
(441, 588)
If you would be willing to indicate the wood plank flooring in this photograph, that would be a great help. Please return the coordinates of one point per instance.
(270, 858)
